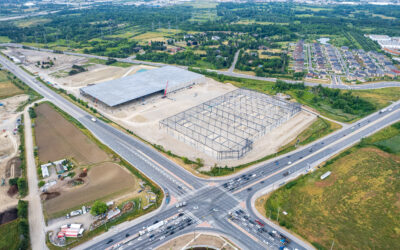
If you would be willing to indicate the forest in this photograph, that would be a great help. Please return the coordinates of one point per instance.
(112, 31)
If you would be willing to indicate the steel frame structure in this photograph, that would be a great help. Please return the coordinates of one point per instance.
(226, 126)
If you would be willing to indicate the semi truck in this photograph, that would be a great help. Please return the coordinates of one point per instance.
(155, 226)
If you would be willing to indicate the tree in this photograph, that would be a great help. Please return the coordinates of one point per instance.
(98, 207)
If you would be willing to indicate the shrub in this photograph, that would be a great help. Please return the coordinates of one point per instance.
(22, 209)
(13, 181)
(41, 183)
(22, 186)
(32, 113)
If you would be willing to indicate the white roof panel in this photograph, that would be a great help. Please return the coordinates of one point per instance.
(132, 87)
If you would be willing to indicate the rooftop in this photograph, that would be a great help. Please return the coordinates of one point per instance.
(132, 87)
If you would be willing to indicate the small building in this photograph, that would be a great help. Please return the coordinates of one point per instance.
(112, 213)
(45, 170)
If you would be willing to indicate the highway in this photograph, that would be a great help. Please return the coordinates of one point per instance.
(225, 204)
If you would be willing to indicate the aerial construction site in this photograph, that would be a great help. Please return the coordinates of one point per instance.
(182, 111)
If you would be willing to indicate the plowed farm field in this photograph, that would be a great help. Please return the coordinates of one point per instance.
(57, 138)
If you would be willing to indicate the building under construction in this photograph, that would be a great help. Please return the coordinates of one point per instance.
(226, 127)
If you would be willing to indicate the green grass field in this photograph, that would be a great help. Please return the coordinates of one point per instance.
(357, 206)
(4, 39)
(7, 88)
(9, 238)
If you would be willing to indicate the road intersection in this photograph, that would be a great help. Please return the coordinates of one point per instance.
(224, 204)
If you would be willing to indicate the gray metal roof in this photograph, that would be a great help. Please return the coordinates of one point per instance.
(138, 85)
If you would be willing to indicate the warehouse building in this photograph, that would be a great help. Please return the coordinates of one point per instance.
(137, 87)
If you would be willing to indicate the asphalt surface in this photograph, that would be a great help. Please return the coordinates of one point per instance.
(223, 204)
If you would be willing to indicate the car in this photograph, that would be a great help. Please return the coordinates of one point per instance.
(109, 241)
(262, 182)
(155, 222)
(93, 119)
(180, 214)
(249, 189)
(289, 163)
(162, 237)
(215, 209)
(127, 235)
(259, 223)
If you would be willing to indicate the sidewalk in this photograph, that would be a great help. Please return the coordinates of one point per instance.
(36, 219)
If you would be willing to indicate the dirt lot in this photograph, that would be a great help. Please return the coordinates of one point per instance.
(8, 147)
(57, 139)
(8, 111)
(58, 74)
(29, 58)
(188, 240)
(97, 185)
(144, 121)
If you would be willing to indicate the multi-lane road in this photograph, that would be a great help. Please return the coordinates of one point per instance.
(222, 205)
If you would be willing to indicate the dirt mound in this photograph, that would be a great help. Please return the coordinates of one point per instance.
(8, 215)
(75, 182)
(127, 207)
(49, 195)
(83, 175)
(12, 190)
